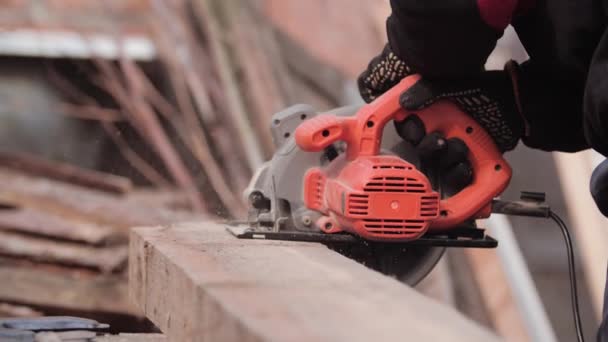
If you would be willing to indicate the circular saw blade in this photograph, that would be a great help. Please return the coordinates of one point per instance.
(408, 264)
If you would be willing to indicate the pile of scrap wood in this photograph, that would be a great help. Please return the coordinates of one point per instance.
(65, 328)
(202, 109)
(64, 237)
(199, 112)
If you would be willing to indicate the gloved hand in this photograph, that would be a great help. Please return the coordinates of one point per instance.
(447, 38)
(489, 97)
(446, 157)
(383, 72)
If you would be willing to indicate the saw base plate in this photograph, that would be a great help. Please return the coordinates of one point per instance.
(464, 237)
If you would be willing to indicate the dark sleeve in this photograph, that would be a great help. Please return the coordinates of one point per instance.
(552, 108)
(447, 38)
(563, 87)
(596, 99)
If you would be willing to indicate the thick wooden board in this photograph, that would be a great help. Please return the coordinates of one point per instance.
(131, 338)
(106, 259)
(41, 223)
(197, 282)
(59, 288)
(76, 203)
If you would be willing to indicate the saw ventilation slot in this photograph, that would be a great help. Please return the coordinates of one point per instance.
(392, 166)
(429, 206)
(395, 184)
(394, 227)
(314, 192)
(358, 204)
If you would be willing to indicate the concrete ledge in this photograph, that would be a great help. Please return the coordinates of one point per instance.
(197, 282)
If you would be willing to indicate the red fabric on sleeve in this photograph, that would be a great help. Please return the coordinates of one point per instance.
(497, 13)
(523, 6)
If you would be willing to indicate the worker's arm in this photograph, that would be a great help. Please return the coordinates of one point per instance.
(448, 42)
(436, 38)
(552, 107)
(596, 99)
(447, 38)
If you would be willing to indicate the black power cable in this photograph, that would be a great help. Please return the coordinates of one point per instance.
(572, 273)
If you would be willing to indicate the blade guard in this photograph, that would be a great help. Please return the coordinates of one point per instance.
(363, 135)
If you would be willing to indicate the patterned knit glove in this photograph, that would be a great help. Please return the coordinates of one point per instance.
(489, 97)
(382, 73)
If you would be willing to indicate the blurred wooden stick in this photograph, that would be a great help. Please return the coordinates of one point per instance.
(106, 259)
(65, 172)
(88, 112)
(134, 159)
(235, 108)
(145, 121)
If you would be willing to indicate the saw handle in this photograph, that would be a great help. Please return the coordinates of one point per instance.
(363, 136)
(491, 173)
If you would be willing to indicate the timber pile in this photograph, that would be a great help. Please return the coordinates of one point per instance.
(193, 122)
(202, 110)
(64, 237)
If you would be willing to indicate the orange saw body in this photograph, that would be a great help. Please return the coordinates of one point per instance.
(343, 179)
(384, 197)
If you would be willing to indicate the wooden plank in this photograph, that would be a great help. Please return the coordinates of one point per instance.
(13, 311)
(198, 282)
(67, 336)
(65, 172)
(78, 203)
(55, 287)
(587, 223)
(36, 222)
(106, 259)
(132, 338)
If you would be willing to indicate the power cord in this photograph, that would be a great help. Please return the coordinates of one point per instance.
(572, 273)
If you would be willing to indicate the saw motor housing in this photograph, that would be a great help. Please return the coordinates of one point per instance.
(376, 197)
(385, 198)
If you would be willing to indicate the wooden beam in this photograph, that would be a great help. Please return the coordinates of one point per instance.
(198, 282)
(132, 338)
(11, 310)
(41, 223)
(587, 223)
(76, 203)
(57, 287)
(106, 259)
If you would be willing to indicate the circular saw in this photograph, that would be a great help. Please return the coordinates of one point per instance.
(341, 178)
